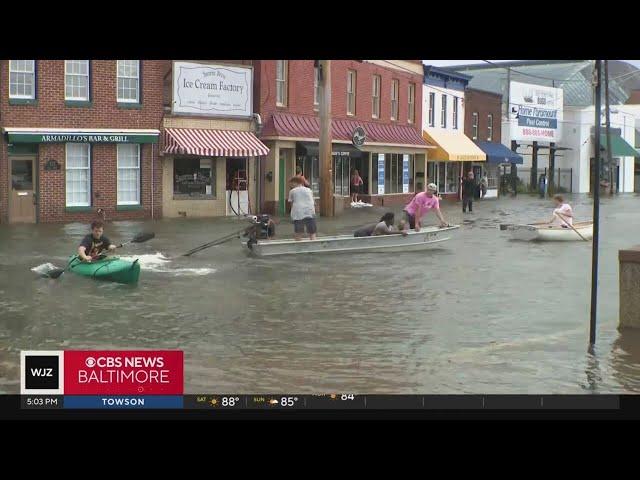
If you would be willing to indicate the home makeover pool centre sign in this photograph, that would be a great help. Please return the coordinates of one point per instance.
(212, 89)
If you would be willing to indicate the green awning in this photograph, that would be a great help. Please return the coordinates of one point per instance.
(620, 148)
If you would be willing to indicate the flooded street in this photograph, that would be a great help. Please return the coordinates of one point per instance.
(479, 314)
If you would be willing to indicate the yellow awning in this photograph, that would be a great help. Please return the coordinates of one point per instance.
(452, 147)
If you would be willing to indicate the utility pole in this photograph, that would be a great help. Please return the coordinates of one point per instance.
(534, 168)
(608, 125)
(326, 170)
(552, 165)
(597, 80)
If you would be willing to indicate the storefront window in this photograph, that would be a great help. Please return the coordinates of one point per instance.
(194, 176)
(311, 170)
(446, 175)
(393, 173)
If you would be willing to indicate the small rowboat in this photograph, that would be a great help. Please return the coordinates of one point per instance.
(112, 269)
(551, 233)
(425, 238)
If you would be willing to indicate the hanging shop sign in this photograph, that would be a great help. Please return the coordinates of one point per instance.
(51, 164)
(358, 137)
(80, 137)
(535, 112)
(381, 174)
(212, 90)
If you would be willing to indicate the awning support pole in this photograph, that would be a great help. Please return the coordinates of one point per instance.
(596, 205)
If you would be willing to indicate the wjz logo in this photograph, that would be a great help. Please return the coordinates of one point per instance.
(41, 372)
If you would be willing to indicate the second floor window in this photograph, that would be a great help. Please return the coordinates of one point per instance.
(489, 127)
(395, 87)
(281, 82)
(351, 92)
(76, 80)
(443, 112)
(316, 86)
(474, 125)
(129, 81)
(455, 112)
(411, 116)
(22, 79)
(375, 96)
(432, 107)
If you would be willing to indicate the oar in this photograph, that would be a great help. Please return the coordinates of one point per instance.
(139, 238)
(572, 227)
(218, 241)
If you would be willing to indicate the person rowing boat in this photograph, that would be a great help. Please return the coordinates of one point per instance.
(420, 205)
(562, 214)
(94, 243)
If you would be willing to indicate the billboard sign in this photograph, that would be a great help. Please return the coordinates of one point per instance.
(535, 112)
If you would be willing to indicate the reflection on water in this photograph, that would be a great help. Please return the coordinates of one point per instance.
(479, 314)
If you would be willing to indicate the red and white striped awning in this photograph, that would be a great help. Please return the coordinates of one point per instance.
(213, 143)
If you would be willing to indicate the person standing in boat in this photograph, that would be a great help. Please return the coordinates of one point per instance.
(356, 185)
(303, 210)
(94, 243)
(563, 213)
(420, 204)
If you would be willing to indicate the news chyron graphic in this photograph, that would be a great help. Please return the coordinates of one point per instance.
(106, 378)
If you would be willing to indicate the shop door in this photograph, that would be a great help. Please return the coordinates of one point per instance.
(22, 198)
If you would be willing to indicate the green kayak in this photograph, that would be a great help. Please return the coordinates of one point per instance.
(112, 269)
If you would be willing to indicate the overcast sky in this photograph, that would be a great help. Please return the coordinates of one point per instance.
(446, 63)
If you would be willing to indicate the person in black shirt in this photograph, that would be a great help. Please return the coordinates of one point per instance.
(469, 188)
(94, 243)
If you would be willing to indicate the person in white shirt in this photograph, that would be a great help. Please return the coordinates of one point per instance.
(303, 210)
(562, 214)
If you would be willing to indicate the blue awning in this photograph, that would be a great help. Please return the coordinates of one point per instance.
(498, 153)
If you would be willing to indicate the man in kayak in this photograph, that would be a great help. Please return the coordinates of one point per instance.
(563, 213)
(420, 205)
(94, 243)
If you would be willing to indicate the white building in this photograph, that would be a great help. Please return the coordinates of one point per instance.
(443, 127)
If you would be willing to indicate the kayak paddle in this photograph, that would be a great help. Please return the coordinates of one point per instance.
(139, 238)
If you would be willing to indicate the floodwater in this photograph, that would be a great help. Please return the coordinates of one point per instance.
(479, 314)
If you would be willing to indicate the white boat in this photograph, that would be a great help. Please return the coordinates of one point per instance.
(551, 233)
(425, 238)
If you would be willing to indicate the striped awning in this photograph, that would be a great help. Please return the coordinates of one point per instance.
(212, 143)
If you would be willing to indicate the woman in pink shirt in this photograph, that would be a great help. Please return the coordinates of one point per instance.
(356, 185)
(420, 205)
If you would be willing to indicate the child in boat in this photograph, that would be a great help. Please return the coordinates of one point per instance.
(563, 213)
(94, 243)
(303, 210)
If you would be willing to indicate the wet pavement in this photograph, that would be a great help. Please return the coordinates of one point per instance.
(479, 314)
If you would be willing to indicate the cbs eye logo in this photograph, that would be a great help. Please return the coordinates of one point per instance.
(90, 362)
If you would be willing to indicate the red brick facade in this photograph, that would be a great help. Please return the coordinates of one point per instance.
(484, 104)
(50, 111)
(301, 89)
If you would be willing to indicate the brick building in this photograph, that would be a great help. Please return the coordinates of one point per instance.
(483, 124)
(383, 97)
(79, 135)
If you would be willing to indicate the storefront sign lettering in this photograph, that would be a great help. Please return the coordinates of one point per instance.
(81, 138)
(535, 111)
(212, 90)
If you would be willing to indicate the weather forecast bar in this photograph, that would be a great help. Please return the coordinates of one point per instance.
(323, 402)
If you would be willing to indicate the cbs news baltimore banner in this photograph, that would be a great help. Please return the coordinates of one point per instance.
(102, 379)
